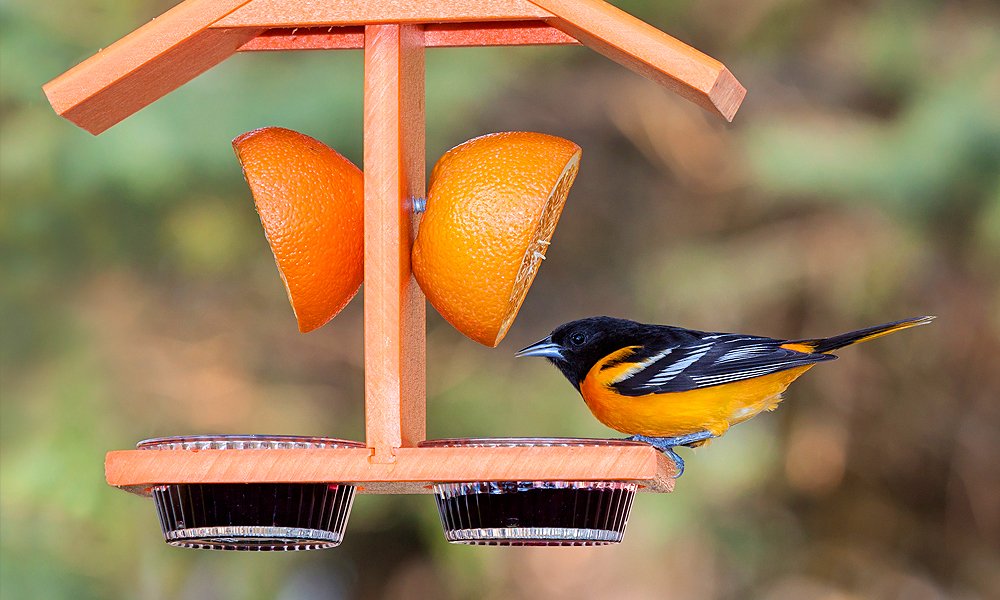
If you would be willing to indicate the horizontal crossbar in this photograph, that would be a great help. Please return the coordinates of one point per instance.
(413, 471)
(436, 35)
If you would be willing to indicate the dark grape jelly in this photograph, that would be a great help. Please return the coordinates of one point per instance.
(252, 516)
(533, 513)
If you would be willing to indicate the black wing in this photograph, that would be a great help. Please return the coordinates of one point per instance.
(713, 359)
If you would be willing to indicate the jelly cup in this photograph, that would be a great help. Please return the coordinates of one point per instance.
(252, 516)
(533, 513)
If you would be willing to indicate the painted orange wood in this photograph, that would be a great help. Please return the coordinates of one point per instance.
(147, 64)
(436, 35)
(307, 38)
(650, 52)
(496, 33)
(413, 470)
(309, 13)
(394, 173)
(198, 34)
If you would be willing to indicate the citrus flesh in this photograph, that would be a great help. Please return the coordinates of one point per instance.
(311, 203)
(492, 208)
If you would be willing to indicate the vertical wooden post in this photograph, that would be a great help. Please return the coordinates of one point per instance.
(394, 174)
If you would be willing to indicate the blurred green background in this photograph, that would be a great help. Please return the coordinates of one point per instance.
(859, 184)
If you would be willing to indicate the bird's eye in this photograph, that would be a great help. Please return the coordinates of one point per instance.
(577, 339)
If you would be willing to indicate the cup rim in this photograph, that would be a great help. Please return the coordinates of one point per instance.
(238, 441)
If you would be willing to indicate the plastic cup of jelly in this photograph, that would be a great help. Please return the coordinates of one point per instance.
(252, 516)
(533, 513)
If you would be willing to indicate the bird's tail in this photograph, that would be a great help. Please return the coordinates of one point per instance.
(824, 345)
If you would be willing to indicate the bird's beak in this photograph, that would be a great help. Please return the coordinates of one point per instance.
(545, 347)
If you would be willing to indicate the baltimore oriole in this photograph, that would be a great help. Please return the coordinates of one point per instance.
(669, 386)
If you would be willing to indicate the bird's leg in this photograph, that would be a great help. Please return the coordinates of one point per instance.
(669, 442)
(666, 445)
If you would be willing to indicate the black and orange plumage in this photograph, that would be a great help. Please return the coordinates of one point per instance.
(671, 386)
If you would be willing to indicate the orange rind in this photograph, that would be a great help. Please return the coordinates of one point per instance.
(311, 203)
(492, 208)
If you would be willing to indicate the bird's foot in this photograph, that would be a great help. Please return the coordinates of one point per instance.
(666, 445)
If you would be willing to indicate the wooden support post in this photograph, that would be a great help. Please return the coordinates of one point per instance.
(394, 174)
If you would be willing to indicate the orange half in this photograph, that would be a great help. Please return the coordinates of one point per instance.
(492, 209)
(311, 203)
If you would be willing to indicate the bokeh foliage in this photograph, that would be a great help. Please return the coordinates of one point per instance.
(859, 184)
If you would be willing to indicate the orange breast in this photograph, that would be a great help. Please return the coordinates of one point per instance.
(678, 413)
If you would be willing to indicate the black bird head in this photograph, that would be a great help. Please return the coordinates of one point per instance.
(576, 346)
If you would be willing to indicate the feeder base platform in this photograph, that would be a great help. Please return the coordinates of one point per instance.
(411, 470)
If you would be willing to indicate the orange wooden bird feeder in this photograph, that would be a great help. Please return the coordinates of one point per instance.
(198, 34)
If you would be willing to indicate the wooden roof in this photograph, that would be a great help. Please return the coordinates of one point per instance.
(196, 35)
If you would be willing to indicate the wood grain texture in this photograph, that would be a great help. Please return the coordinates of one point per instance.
(436, 35)
(147, 64)
(394, 172)
(649, 52)
(310, 13)
(495, 33)
(413, 470)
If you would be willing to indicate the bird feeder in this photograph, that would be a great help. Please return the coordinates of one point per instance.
(544, 491)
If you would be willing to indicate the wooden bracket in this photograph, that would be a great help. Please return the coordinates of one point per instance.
(145, 65)
(648, 51)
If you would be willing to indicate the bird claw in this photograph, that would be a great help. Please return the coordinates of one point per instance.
(666, 445)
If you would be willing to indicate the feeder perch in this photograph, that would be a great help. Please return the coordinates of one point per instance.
(395, 458)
